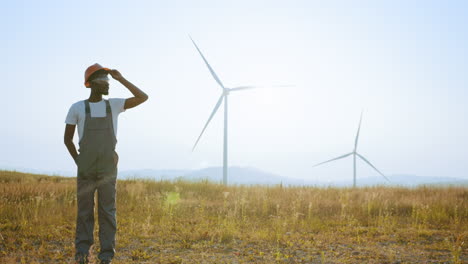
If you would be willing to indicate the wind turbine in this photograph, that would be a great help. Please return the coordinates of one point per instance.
(224, 96)
(354, 153)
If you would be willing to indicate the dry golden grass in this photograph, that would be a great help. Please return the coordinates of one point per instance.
(183, 222)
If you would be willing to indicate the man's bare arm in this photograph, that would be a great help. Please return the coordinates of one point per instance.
(139, 95)
(68, 140)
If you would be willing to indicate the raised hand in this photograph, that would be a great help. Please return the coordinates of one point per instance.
(115, 74)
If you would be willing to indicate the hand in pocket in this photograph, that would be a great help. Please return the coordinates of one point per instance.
(116, 158)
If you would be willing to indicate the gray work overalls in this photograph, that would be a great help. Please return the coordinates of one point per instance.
(97, 170)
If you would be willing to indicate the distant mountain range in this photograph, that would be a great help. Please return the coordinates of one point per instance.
(252, 176)
(237, 175)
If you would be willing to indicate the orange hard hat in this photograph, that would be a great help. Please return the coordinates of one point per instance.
(92, 69)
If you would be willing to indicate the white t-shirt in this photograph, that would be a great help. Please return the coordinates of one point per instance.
(77, 113)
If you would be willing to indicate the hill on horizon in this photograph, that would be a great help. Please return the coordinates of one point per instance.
(252, 176)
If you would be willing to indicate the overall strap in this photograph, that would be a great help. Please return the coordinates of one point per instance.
(87, 109)
(108, 108)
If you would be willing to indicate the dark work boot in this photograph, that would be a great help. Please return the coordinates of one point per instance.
(81, 258)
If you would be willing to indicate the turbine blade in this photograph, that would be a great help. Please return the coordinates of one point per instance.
(208, 65)
(370, 164)
(243, 88)
(220, 100)
(284, 86)
(357, 135)
(259, 86)
(340, 157)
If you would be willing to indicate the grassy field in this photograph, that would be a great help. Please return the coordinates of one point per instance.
(183, 222)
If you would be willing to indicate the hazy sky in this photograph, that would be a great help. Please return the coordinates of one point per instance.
(404, 62)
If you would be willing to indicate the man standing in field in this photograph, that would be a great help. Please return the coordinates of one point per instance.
(97, 160)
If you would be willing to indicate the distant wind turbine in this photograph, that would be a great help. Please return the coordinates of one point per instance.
(354, 153)
(224, 96)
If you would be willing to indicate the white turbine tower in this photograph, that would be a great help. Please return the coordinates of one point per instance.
(224, 96)
(354, 153)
